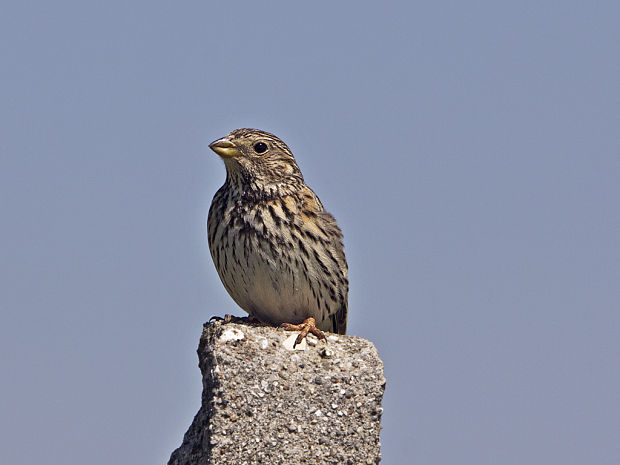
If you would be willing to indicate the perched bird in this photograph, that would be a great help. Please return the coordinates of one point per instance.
(279, 254)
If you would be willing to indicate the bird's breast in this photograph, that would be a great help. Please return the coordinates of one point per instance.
(273, 266)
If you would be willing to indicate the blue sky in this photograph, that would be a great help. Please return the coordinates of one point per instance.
(470, 152)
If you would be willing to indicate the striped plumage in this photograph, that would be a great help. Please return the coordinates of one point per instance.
(278, 252)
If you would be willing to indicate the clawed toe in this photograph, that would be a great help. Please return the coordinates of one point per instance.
(308, 326)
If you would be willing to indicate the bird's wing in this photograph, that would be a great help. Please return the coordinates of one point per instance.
(339, 318)
(325, 229)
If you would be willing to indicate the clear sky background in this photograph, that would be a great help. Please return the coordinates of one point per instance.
(469, 150)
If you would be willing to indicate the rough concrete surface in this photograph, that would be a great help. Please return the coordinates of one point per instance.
(263, 402)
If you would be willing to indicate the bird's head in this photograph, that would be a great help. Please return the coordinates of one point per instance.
(256, 159)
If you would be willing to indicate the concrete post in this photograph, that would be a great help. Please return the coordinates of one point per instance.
(264, 402)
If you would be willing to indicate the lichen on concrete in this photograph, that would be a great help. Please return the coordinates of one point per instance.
(264, 403)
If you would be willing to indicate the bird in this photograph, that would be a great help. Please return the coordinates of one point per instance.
(278, 253)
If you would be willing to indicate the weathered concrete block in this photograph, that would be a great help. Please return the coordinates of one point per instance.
(265, 403)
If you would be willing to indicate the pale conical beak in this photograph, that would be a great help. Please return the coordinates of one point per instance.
(225, 148)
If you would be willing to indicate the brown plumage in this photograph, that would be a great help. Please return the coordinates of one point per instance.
(278, 252)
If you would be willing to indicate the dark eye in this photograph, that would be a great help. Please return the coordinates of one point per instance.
(260, 147)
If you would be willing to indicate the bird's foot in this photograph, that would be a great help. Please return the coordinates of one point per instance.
(308, 326)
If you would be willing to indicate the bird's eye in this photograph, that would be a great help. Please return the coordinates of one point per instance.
(260, 147)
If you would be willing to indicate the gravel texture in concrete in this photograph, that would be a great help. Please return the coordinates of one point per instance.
(264, 402)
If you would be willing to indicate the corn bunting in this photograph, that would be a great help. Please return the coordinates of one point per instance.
(279, 254)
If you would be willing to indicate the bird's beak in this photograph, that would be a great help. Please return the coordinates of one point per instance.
(225, 148)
